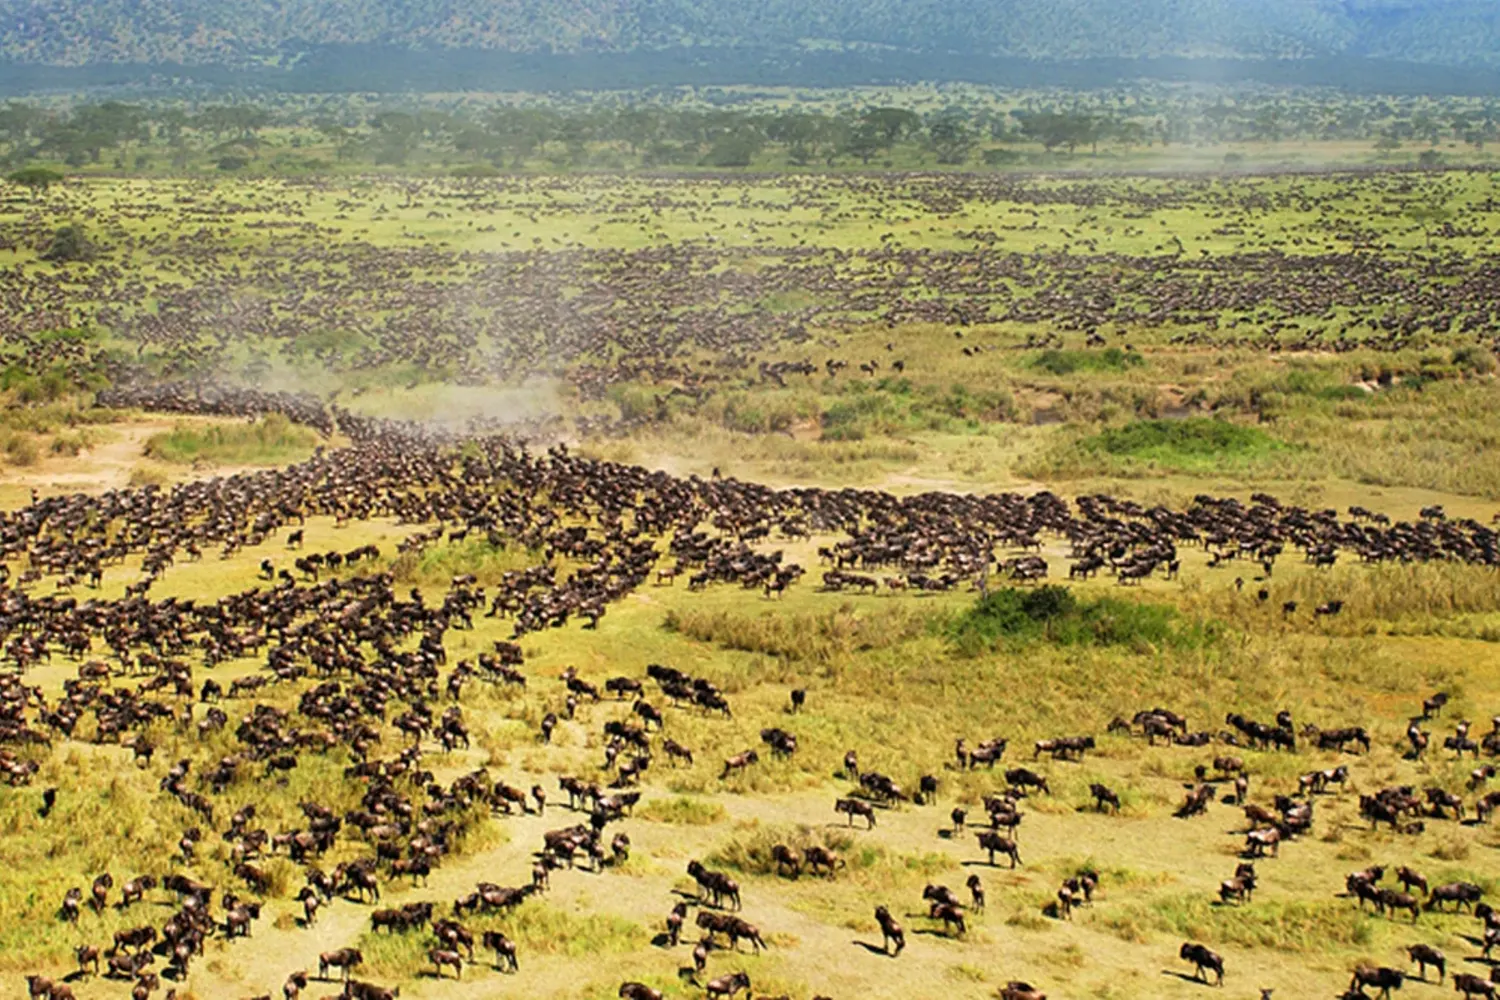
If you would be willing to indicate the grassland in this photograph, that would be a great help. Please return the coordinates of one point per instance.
(271, 440)
(1155, 414)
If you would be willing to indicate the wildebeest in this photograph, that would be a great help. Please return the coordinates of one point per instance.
(1471, 985)
(1104, 796)
(1425, 955)
(854, 807)
(1384, 979)
(1202, 959)
(343, 959)
(728, 986)
(638, 991)
(996, 844)
(504, 949)
(890, 931)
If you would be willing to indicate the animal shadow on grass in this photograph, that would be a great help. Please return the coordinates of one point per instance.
(1186, 978)
(662, 940)
(873, 949)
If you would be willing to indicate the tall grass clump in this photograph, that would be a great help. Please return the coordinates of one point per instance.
(1286, 926)
(271, 440)
(440, 563)
(1112, 359)
(1053, 614)
(1184, 444)
(681, 811)
(1197, 445)
(1406, 593)
(815, 638)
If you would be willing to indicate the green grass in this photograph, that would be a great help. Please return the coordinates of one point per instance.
(439, 563)
(681, 811)
(1111, 359)
(270, 440)
(1183, 444)
(1056, 615)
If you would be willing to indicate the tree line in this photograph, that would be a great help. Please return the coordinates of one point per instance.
(625, 134)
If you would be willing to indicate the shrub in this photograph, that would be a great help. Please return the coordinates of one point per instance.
(1474, 360)
(1111, 359)
(271, 440)
(681, 811)
(68, 243)
(1054, 614)
(21, 449)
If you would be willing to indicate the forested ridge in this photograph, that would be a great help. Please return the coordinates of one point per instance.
(278, 32)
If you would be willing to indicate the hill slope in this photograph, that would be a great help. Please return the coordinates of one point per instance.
(241, 32)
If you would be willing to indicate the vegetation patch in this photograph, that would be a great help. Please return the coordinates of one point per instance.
(681, 811)
(801, 637)
(1056, 615)
(1281, 925)
(440, 563)
(271, 440)
(1111, 359)
(1196, 444)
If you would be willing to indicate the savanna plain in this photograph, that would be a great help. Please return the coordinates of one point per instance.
(1145, 521)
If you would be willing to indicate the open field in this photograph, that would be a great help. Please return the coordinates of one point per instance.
(779, 434)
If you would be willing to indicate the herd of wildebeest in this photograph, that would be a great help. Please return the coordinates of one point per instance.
(316, 297)
(350, 663)
(373, 679)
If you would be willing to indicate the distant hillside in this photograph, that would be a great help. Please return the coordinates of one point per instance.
(240, 33)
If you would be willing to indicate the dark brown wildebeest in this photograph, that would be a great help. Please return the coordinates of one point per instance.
(1104, 796)
(739, 762)
(99, 892)
(996, 844)
(1240, 887)
(1019, 990)
(87, 955)
(1024, 779)
(1425, 955)
(1388, 901)
(343, 959)
(294, 985)
(976, 891)
(788, 860)
(890, 931)
(504, 949)
(1471, 985)
(135, 890)
(638, 991)
(1383, 979)
(440, 957)
(819, 857)
(952, 917)
(728, 986)
(1460, 894)
(1411, 879)
(1202, 959)
(855, 807)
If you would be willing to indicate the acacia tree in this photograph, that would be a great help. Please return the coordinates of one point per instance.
(951, 138)
(35, 179)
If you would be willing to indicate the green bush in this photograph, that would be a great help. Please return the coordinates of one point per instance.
(68, 243)
(271, 440)
(1111, 359)
(21, 449)
(1474, 360)
(1196, 444)
(1054, 614)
